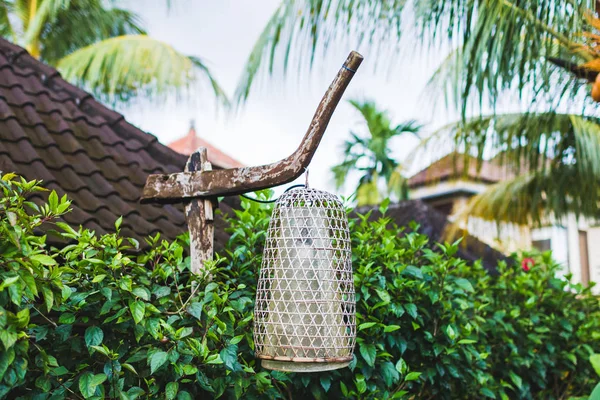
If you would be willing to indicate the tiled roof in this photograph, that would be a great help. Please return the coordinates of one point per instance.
(453, 166)
(433, 223)
(190, 143)
(56, 132)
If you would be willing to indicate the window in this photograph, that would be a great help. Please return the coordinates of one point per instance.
(542, 245)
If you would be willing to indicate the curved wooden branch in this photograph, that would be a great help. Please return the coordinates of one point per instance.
(186, 185)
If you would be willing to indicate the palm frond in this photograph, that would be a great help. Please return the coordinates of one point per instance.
(410, 126)
(300, 30)
(6, 28)
(37, 17)
(397, 185)
(127, 66)
(373, 150)
(367, 193)
(508, 46)
(506, 43)
(553, 158)
(84, 24)
(536, 199)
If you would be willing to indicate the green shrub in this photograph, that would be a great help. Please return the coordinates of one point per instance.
(100, 318)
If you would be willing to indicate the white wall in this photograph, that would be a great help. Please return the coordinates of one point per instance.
(594, 255)
(558, 243)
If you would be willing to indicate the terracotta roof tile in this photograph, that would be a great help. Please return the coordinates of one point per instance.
(190, 143)
(453, 166)
(53, 131)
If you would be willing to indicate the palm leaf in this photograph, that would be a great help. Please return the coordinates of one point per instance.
(6, 28)
(367, 193)
(84, 24)
(554, 159)
(372, 151)
(132, 65)
(301, 30)
(506, 43)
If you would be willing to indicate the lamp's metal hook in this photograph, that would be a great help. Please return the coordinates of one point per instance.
(306, 172)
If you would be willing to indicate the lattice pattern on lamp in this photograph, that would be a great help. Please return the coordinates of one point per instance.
(305, 305)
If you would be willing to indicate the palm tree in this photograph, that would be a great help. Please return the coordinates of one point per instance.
(369, 154)
(504, 43)
(102, 47)
(546, 51)
(553, 158)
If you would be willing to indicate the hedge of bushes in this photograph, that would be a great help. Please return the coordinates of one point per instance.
(98, 319)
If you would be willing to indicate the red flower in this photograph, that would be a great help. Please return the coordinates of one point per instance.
(527, 263)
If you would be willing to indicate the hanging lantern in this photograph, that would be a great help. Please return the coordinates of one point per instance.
(305, 306)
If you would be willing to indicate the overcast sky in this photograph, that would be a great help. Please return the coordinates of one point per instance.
(276, 116)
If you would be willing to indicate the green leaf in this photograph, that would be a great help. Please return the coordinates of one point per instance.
(366, 325)
(183, 395)
(66, 318)
(401, 366)
(361, 385)
(137, 309)
(8, 338)
(464, 284)
(171, 390)
(142, 293)
(98, 379)
(101, 350)
(6, 359)
(162, 291)
(412, 376)
(43, 259)
(344, 389)
(88, 382)
(383, 206)
(99, 278)
(236, 339)
(413, 271)
(189, 369)
(325, 382)
(595, 360)
(389, 373)
(595, 393)
(229, 357)
(368, 352)
(157, 360)
(53, 201)
(467, 341)
(391, 328)
(383, 295)
(516, 379)
(195, 310)
(8, 282)
(411, 309)
(129, 367)
(93, 336)
(48, 297)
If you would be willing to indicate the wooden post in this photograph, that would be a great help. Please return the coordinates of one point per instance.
(199, 216)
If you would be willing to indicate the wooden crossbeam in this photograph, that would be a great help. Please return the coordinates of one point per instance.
(183, 186)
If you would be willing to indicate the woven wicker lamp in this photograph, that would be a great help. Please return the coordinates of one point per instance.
(305, 305)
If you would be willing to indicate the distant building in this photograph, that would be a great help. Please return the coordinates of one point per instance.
(447, 185)
(190, 143)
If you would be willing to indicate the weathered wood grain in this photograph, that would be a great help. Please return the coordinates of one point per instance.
(181, 187)
(199, 216)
